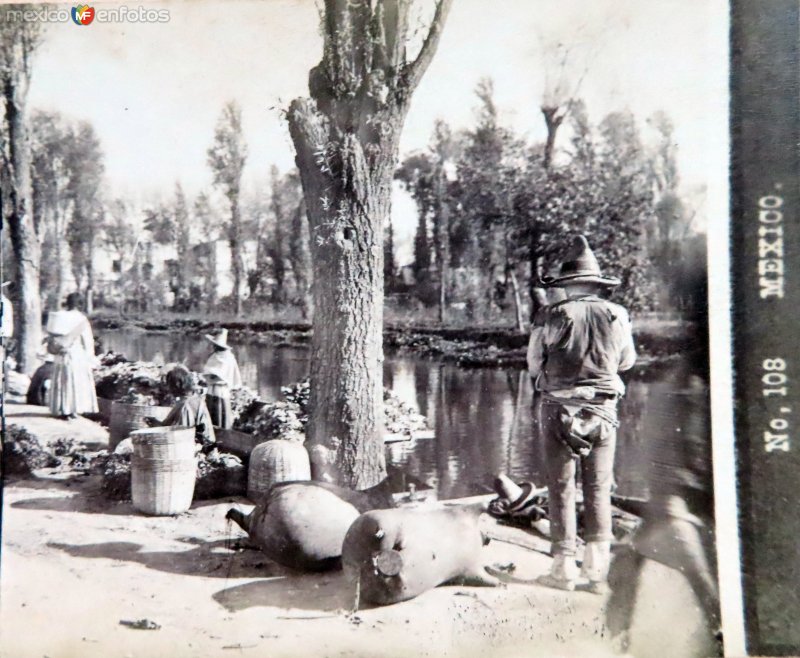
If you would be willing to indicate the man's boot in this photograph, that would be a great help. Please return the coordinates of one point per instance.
(596, 560)
(563, 573)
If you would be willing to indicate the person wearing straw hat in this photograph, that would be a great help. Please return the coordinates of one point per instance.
(576, 351)
(222, 374)
(71, 342)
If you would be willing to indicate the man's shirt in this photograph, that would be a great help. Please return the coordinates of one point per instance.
(578, 347)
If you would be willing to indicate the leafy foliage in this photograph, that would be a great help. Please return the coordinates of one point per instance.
(511, 214)
(66, 176)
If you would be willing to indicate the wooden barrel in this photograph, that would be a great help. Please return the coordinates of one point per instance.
(276, 461)
(125, 418)
(163, 470)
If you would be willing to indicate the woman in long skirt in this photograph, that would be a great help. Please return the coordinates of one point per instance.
(72, 389)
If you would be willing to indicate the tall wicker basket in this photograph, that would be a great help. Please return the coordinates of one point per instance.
(163, 470)
(125, 418)
(276, 461)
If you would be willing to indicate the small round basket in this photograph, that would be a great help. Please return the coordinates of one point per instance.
(276, 461)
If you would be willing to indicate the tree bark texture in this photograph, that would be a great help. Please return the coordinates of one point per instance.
(15, 178)
(346, 138)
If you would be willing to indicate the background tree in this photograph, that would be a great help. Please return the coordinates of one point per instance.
(389, 260)
(119, 236)
(85, 193)
(51, 175)
(159, 221)
(417, 175)
(257, 214)
(18, 41)
(430, 178)
(603, 191)
(346, 137)
(118, 232)
(671, 233)
(226, 157)
(300, 255)
(205, 222)
(183, 240)
(565, 66)
(491, 171)
(277, 249)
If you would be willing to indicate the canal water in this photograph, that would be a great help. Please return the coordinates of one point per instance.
(481, 416)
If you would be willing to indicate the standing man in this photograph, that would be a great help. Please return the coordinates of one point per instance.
(577, 348)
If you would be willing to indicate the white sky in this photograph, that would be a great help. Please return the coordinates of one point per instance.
(154, 91)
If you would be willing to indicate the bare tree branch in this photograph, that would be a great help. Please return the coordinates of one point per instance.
(414, 71)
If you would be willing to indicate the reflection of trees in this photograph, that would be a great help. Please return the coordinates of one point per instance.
(422, 382)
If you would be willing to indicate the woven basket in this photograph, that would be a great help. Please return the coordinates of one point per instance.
(164, 442)
(238, 443)
(128, 417)
(276, 461)
(162, 487)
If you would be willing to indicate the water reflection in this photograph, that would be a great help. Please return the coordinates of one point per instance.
(482, 417)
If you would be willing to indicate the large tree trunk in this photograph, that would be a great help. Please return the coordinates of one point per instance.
(346, 217)
(346, 140)
(347, 347)
(16, 183)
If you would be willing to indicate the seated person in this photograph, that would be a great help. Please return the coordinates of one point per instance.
(190, 410)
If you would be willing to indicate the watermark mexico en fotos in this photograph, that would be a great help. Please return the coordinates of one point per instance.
(85, 15)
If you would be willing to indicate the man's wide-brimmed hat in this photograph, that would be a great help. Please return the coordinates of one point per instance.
(219, 338)
(579, 266)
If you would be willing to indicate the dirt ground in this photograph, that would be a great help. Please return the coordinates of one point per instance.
(74, 565)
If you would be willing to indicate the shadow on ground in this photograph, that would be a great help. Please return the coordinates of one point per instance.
(212, 559)
(328, 592)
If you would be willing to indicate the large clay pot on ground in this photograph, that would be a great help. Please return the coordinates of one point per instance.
(302, 524)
